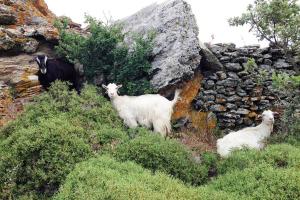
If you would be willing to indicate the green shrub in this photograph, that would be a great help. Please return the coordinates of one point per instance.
(260, 182)
(89, 110)
(57, 130)
(289, 122)
(157, 154)
(280, 155)
(104, 52)
(38, 158)
(104, 178)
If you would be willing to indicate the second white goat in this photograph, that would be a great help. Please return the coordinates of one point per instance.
(147, 110)
(251, 137)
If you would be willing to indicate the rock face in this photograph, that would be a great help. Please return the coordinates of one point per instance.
(176, 49)
(26, 30)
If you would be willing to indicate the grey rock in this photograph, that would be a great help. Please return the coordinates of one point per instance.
(209, 92)
(213, 77)
(231, 106)
(266, 67)
(240, 59)
(231, 54)
(209, 98)
(243, 111)
(225, 59)
(221, 74)
(242, 73)
(229, 82)
(198, 105)
(236, 67)
(282, 64)
(230, 115)
(210, 61)
(268, 62)
(217, 108)
(221, 90)
(234, 98)
(176, 46)
(243, 51)
(241, 92)
(267, 56)
(7, 15)
(38, 21)
(209, 84)
(233, 75)
(30, 46)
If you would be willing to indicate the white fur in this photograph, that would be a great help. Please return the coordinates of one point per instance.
(46, 58)
(146, 110)
(38, 60)
(251, 137)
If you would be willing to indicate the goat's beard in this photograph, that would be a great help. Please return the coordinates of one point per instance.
(44, 71)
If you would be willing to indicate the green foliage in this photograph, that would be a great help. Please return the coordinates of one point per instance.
(157, 154)
(277, 21)
(38, 158)
(104, 52)
(284, 81)
(259, 75)
(279, 155)
(290, 121)
(260, 182)
(57, 130)
(104, 178)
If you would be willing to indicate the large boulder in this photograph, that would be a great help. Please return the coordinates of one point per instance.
(176, 46)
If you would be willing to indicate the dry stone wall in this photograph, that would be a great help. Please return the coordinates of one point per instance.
(235, 94)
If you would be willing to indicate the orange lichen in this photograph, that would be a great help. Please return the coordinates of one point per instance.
(202, 124)
(188, 93)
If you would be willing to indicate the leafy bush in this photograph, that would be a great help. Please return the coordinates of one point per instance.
(38, 158)
(104, 52)
(276, 21)
(157, 154)
(260, 182)
(104, 178)
(59, 129)
(259, 75)
(279, 155)
(289, 124)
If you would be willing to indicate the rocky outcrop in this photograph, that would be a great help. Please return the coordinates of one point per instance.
(176, 46)
(26, 30)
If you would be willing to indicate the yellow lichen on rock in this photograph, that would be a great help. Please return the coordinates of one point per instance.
(202, 122)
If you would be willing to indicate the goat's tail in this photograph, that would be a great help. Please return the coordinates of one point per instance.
(176, 96)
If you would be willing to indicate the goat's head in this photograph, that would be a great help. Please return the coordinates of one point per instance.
(268, 116)
(111, 89)
(42, 62)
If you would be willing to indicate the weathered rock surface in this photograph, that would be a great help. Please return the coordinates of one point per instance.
(234, 94)
(26, 30)
(176, 48)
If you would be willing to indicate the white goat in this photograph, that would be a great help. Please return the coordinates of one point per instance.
(251, 137)
(147, 110)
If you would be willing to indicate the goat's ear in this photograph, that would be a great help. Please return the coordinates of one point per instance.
(46, 58)
(259, 116)
(119, 86)
(38, 60)
(275, 113)
(104, 86)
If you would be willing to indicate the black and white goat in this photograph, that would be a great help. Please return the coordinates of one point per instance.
(51, 70)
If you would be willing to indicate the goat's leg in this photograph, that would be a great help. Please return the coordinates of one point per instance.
(131, 123)
(160, 127)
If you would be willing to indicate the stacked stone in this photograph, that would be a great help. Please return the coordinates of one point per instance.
(232, 93)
